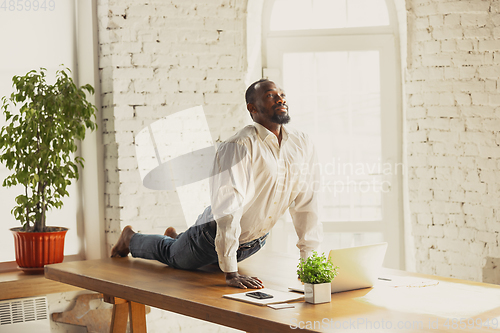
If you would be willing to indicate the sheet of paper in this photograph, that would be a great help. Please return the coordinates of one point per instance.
(405, 282)
(278, 296)
(281, 306)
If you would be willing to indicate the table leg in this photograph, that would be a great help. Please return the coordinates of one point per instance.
(121, 310)
(137, 317)
(119, 318)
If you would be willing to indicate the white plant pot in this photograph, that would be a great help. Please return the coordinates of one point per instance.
(318, 293)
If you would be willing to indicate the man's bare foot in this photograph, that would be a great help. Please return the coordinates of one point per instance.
(121, 248)
(170, 232)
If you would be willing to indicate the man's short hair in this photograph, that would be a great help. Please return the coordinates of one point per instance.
(250, 93)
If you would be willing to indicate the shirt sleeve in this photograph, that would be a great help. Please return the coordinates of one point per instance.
(229, 181)
(304, 210)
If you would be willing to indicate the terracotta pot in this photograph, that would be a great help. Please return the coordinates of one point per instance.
(36, 249)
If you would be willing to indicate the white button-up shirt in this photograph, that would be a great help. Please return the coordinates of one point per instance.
(254, 181)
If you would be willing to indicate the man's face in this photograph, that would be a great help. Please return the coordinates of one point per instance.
(270, 103)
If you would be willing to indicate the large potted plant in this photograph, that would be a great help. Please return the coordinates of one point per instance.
(317, 273)
(38, 144)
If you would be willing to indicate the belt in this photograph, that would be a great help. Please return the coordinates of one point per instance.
(249, 245)
(244, 246)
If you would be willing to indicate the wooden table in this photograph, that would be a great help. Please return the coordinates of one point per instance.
(445, 305)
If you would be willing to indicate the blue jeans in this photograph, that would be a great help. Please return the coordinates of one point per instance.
(192, 249)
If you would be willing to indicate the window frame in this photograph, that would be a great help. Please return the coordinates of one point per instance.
(385, 40)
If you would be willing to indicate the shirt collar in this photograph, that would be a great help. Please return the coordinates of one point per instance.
(264, 132)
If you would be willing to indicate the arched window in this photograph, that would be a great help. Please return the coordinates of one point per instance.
(337, 61)
(327, 14)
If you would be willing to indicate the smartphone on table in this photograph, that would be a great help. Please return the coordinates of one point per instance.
(259, 295)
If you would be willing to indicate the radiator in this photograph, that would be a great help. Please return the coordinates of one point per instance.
(24, 315)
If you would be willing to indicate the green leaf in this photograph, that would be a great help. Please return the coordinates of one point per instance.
(316, 269)
(38, 143)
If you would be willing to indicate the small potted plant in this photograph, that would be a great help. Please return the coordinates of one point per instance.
(317, 273)
(38, 145)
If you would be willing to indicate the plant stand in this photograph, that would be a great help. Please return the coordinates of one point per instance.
(318, 293)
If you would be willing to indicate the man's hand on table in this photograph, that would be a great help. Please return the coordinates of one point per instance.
(242, 281)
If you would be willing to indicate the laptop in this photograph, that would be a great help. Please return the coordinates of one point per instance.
(359, 267)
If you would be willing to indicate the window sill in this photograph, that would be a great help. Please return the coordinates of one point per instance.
(16, 284)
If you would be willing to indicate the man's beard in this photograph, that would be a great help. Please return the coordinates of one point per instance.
(280, 118)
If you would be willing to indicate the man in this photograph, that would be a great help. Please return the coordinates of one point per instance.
(259, 173)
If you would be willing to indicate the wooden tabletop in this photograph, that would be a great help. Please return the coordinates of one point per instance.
(16, 284)
(439, 305)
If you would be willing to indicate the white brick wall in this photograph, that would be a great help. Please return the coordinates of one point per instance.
(453, 127)
(156, 58)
